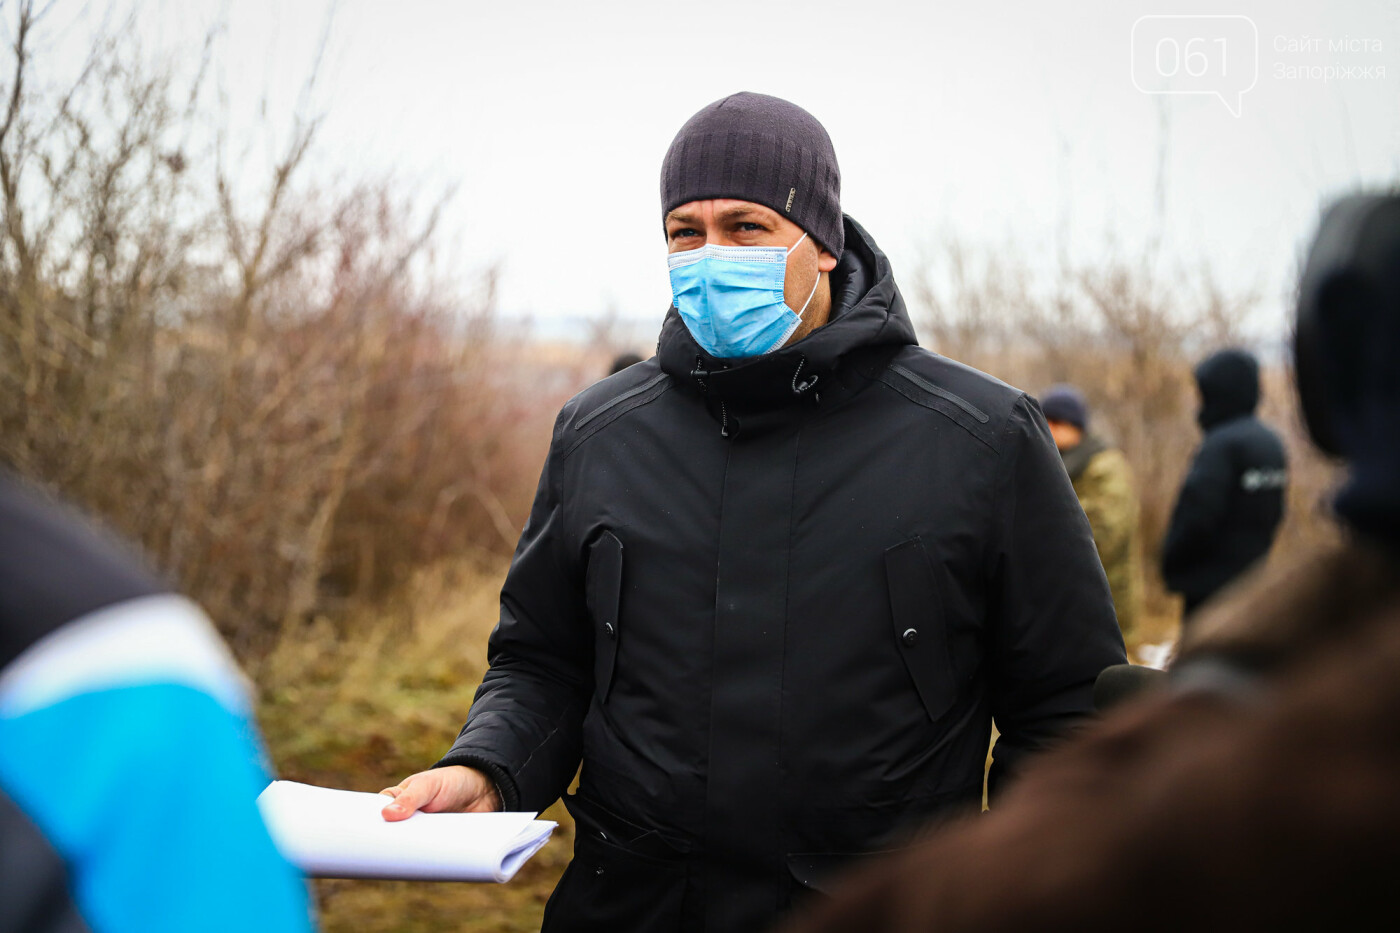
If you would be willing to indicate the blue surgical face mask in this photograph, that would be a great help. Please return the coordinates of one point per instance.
(731, 297)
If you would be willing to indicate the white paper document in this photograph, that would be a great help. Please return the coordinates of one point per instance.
(341, 834)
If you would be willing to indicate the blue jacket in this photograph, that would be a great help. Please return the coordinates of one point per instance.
(129, 763)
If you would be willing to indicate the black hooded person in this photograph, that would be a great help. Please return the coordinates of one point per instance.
(1231, 501)
(780, 578)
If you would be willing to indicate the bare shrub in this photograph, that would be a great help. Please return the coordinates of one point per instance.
(266, 385)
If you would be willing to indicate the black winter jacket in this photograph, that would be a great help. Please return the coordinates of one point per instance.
(1231, 501)
(774, 605)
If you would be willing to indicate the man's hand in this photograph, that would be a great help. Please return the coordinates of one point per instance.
(454, 789)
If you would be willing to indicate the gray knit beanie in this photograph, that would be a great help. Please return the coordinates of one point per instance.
(762, 149)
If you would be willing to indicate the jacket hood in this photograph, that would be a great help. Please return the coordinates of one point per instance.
(867, 313)
(1229, 383)
(1077, 458)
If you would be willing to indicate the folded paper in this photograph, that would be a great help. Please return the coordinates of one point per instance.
(341, 834)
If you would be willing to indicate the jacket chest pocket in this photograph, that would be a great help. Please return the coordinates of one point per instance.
(920, 626)
(603, 594)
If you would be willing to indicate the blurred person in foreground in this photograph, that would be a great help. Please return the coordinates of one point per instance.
(1231, 501)
(129, 763)
(1257, 790)
(1103, 481)
(780, 578)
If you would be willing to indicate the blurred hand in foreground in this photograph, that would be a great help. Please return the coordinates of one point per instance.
(454, 789)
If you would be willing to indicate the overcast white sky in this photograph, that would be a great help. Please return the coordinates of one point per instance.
(996, 122)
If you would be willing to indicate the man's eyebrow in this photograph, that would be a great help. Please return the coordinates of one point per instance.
(729, 213)
(743, 210)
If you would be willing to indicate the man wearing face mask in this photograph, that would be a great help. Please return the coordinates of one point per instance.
(779, 579)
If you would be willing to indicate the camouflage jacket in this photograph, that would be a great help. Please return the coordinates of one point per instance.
(1103, 481)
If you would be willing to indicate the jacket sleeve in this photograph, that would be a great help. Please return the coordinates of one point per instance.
(132, 765)
(524, 727)
(1107, 494)
(1110, 504)
(1199, 511)
(1051, 624)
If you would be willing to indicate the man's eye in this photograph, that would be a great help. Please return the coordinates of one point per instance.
(748, 226)
(683, 232)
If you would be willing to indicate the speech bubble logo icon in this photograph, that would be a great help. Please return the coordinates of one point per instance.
(1211, 54)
